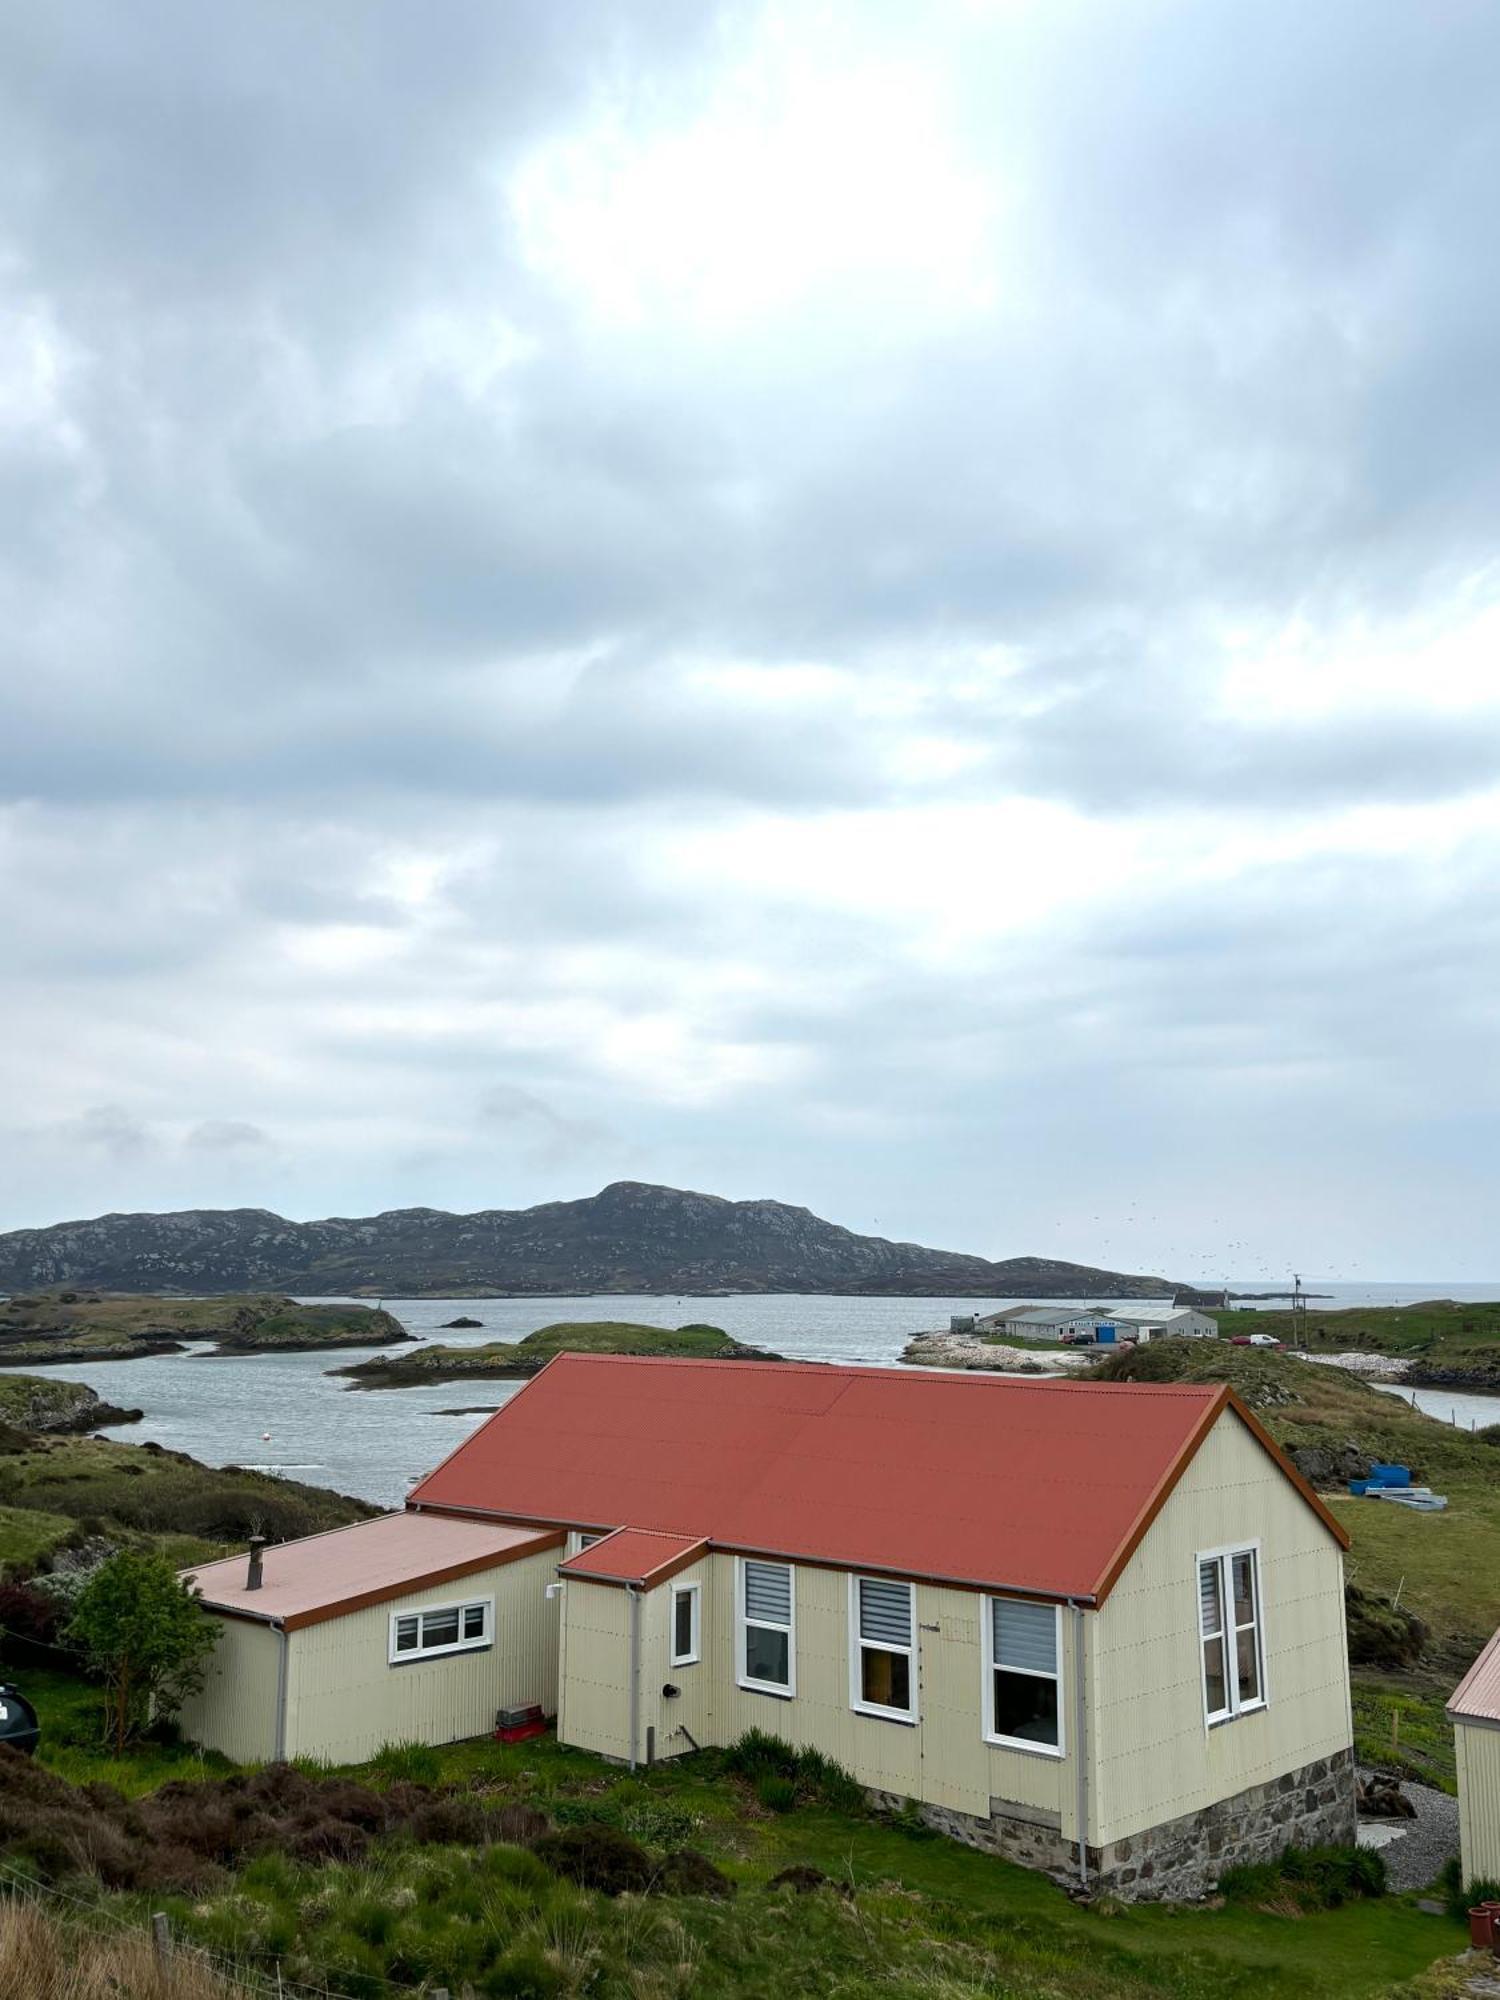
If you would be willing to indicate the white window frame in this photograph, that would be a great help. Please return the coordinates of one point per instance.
(1223, 1557)
(460, 1645)
(741, 1623)
(693, 1592)
(580, 1539)
(857, 1646)
(987, 1689)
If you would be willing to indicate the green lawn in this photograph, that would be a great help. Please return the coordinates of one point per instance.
(1441, 1332)
(928, 1917)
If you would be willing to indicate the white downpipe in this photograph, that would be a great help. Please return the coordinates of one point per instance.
(281, 1693)
(635, 1673)
(1080, 1746)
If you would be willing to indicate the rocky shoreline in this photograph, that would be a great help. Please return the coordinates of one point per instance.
(965, 1350)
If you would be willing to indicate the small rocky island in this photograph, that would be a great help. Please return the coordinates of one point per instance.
(502, 1360)
(44, 1327)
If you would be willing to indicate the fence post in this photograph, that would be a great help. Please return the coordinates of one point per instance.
(161, 1940)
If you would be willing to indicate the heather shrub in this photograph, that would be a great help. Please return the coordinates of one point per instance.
(597, 1857)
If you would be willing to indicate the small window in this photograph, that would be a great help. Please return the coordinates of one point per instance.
(686, 1613)
(1229, 1634)
(767, 1642)
(1023, 1675)
(578, 1541)
(447, 1628)
(882, 1658)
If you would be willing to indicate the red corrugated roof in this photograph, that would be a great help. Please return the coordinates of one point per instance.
(635, 1555)
(1478, 1693)
(1021, 1485)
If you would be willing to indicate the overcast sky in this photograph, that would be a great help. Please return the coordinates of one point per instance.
(896, 607)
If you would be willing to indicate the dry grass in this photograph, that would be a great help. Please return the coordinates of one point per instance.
(42, 1958)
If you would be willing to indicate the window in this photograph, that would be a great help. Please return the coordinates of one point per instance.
(882, 1649)
(448, 1628)
(1229, 1633)
(686, 1627)
(1022, 1675)
(578, 1541)
(767, 1628)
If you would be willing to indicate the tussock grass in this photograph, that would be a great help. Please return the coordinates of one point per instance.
(43, 1958)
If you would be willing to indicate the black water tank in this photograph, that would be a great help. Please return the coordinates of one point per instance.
(18, 1724)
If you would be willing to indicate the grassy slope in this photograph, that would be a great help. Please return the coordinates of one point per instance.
(1442, 1564)
(929, 1917)
(1440, 1334)
(46, 1327)
(122, 1488)
(496, 1359)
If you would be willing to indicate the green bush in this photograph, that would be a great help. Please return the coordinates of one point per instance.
(755, 1754)
(1456, 1897)
(1314, 1878)
(776, 1793)
(758, 1757)
(408, 1763)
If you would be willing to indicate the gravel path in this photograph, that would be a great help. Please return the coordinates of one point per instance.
(1421, 1845)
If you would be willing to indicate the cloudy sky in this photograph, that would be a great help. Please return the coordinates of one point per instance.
(893, 606)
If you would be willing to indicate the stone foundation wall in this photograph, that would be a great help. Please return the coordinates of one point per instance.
(1182, 1858)
(1023, 1834)
(1313, 1807)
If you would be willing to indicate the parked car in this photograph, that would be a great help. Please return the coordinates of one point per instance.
(1255, 1340)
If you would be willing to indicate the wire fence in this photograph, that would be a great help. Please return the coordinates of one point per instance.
(172, 1952)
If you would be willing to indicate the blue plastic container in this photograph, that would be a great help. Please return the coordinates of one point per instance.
(1390, 1475)
(1359, 1488)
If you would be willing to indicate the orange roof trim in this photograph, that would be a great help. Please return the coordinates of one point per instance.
(1477, 1696)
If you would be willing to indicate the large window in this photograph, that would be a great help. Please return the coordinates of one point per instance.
(1022, 1674)
(882, 1647)
(767, 1640)
(687, 1647)
(447, 1628)
(1229, 1633)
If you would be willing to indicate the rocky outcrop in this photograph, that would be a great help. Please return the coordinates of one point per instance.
(34, 1403)
(632, 1237)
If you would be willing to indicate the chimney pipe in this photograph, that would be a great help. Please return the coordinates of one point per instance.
(253, 1580)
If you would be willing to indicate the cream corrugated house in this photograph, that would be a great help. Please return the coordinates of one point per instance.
(1474, 1711)
(1095, 1628)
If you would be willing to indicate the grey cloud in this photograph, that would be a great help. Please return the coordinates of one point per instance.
(226, 1135)
(301, 605)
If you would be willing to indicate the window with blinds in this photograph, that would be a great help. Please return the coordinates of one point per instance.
(1229, 1634)
(1023, 1674)
(882, 1650)
(448, 1628)
(767, 1624)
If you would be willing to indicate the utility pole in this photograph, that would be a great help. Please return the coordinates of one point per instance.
(1299, 1313)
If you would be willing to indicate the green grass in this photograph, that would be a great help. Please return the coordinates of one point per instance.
(27, 1534)
(52, 1326)
(122, 1488)
(928, 1917)
(1400, 1725)
(496, 1359)
(1440, 1333)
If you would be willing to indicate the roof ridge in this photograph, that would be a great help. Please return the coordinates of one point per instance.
(894, 1371)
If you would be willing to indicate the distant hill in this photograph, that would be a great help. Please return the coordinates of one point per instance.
(630, 1238)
